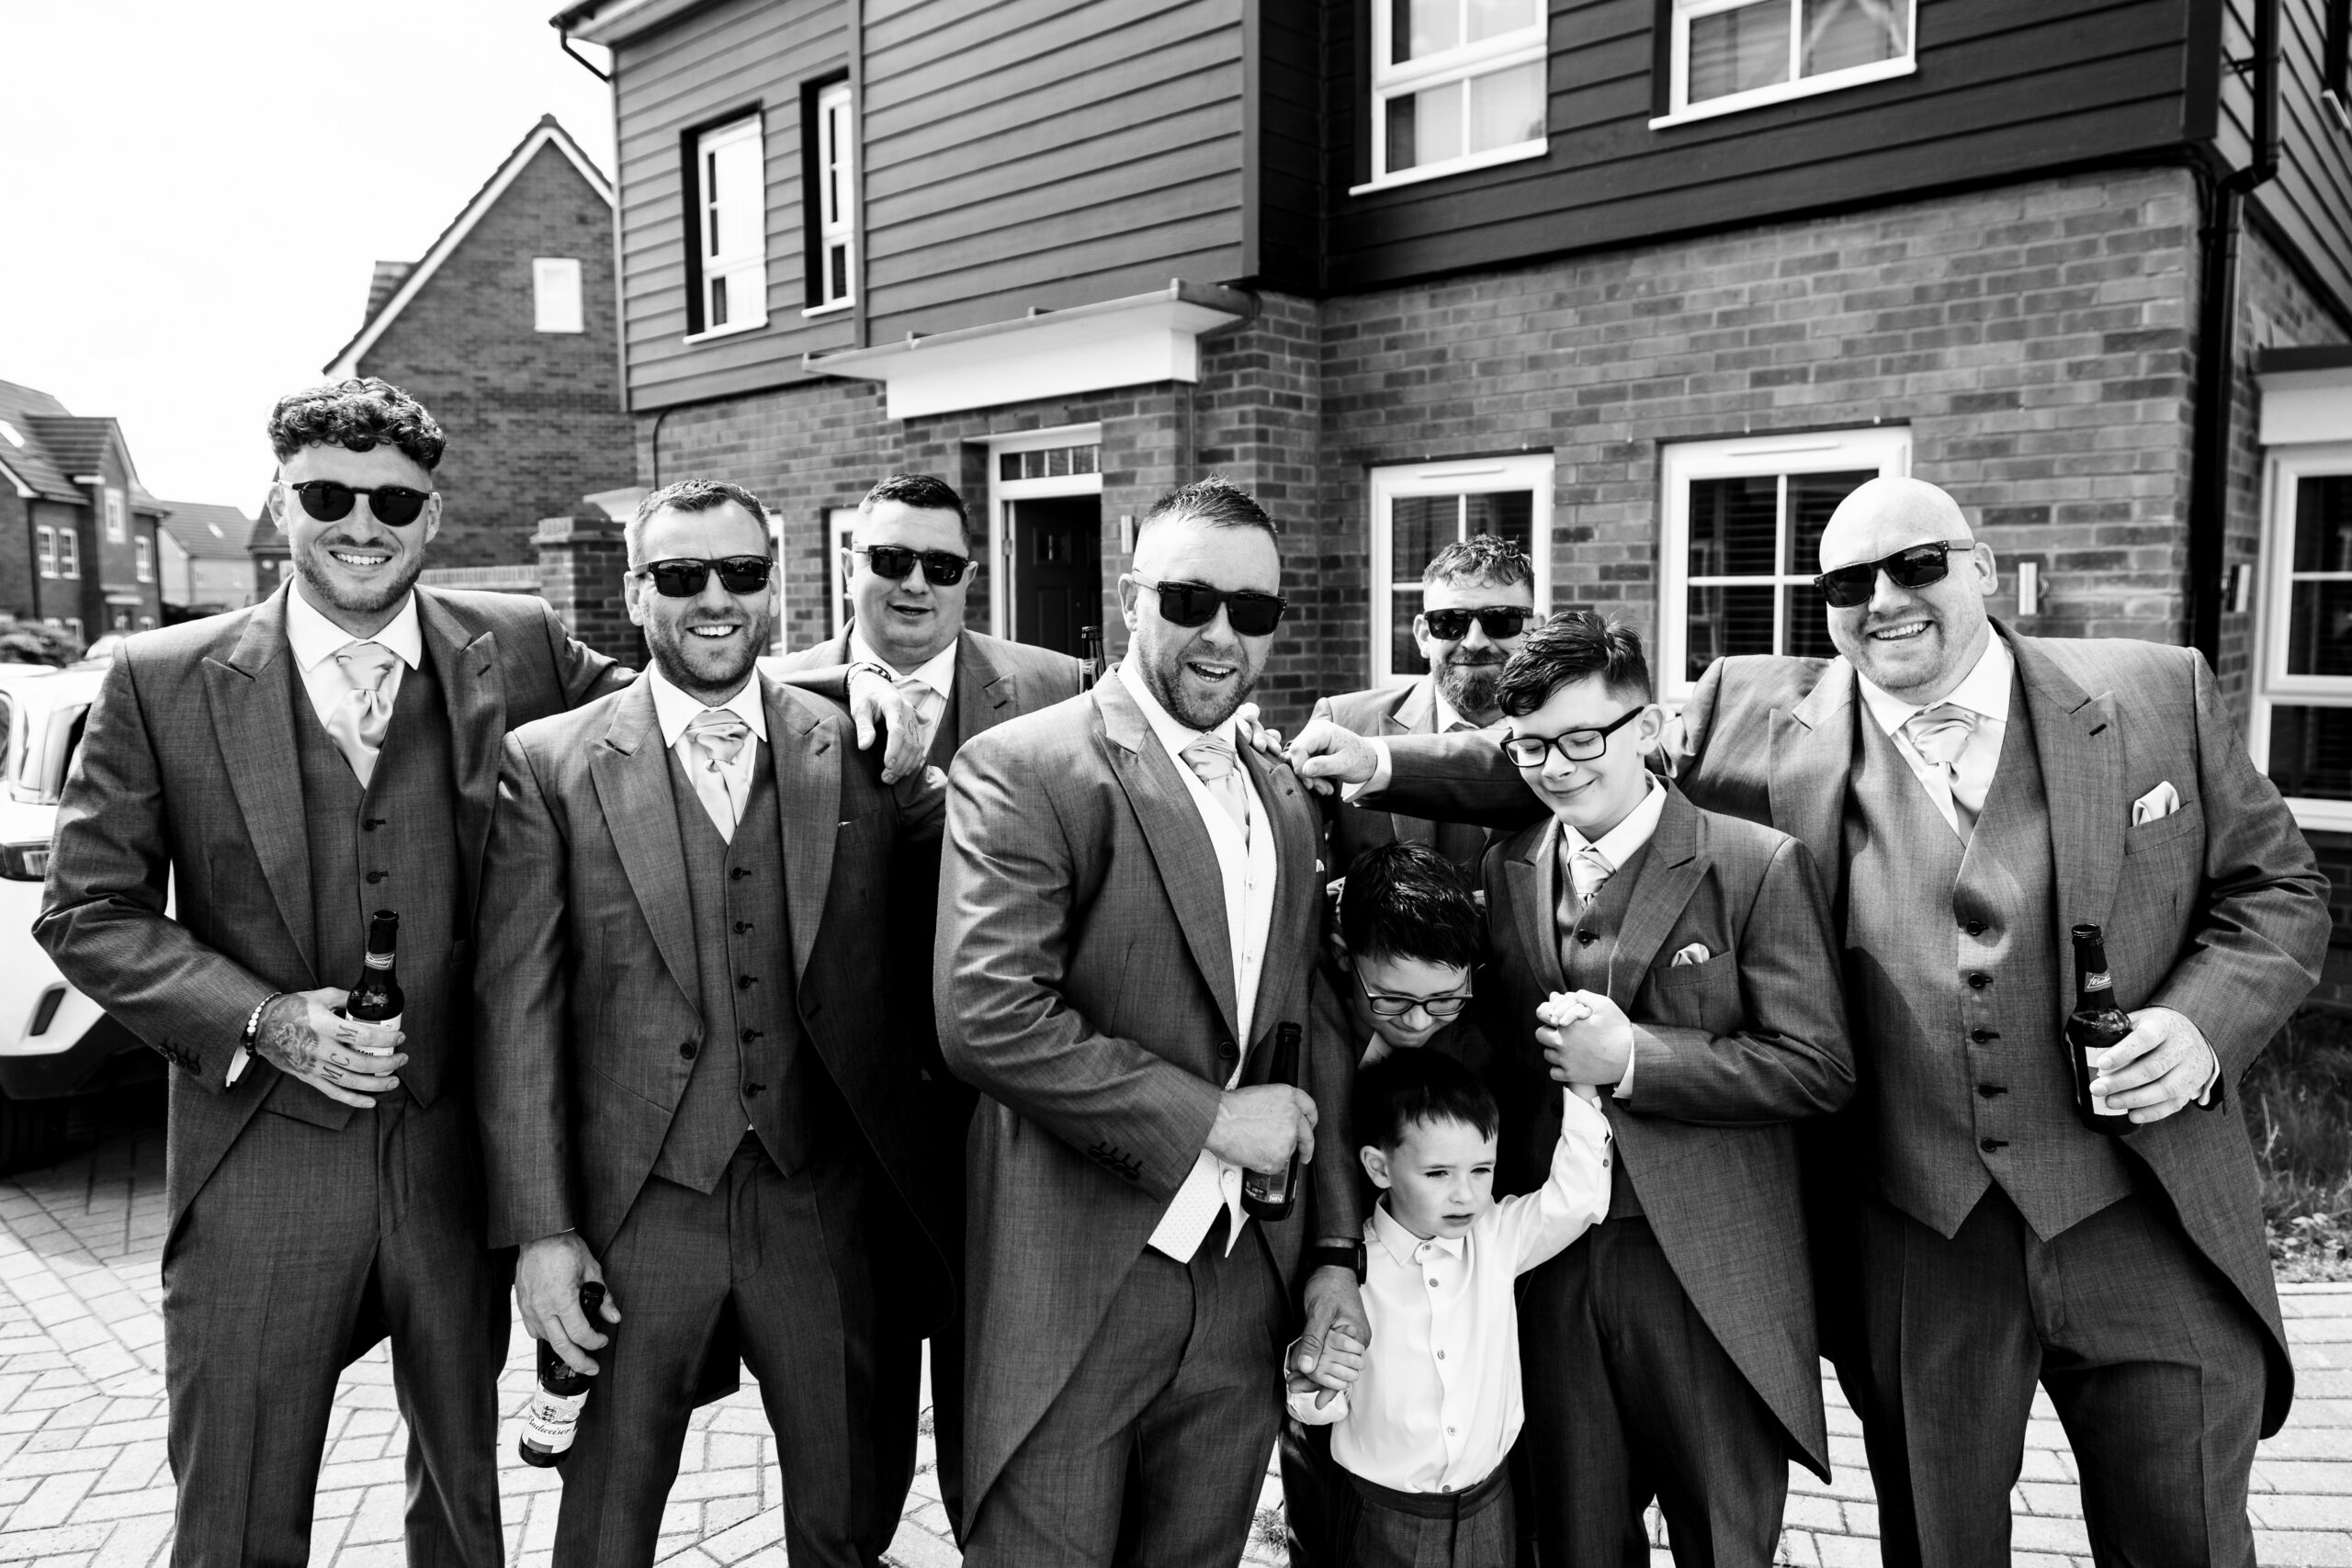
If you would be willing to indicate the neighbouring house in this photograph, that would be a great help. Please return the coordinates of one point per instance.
(77, 530)
(207, 567)
(506, 330)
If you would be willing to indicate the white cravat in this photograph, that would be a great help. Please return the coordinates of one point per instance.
(725, 789)
(1961, 784)
(713, 744)
(927, 686)
(314, 642)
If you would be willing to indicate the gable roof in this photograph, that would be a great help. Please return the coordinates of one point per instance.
(545, 134)
(30, 461)
(78, 446)
(206, 532)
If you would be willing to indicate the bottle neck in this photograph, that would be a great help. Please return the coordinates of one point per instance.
(2093, 985)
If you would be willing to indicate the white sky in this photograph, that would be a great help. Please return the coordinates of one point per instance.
(192, 196)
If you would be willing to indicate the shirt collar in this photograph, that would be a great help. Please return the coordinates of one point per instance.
(1172, 733)
(1403, 1245)
(938, 672)
(314, 639)
(1446, 717)
(1625, 840)
(1984, 691)
(674, 710)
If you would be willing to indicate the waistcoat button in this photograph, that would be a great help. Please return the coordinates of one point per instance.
(745, 982)
(1979, 980)
(687, 1050)
(1973, 927)
(1989, 1145)
(1989, 1089)
(1982, 1035)
(1586, 938)
(376, 876)
(737, 875)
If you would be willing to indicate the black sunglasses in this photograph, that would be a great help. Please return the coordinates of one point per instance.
(685, 577)
(1577, 745)
(895, 561)
(1917, 565)
(1498, 621)
(330, 500)
(1196, 603)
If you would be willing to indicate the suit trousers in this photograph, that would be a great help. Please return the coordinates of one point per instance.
(2153, 1361)
(1374, 1527)
(1155, 1452)
(301, 1248)
(780, 1256)
(1629, 1396)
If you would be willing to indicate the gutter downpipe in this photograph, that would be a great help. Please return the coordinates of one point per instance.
(2223, 201)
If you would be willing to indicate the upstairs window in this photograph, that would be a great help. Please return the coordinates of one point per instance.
(146, 559)
(829, 170)
(728, 185)
(1455, 85)
(555, 294)
(1737, 54)
(69, 553)
(45, 550)
(118, 518)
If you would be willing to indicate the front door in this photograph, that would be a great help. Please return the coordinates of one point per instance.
(1056, 579)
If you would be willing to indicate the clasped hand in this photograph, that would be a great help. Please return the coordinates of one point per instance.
(1585, 1037)
(300, 1034)
(2164, 1064)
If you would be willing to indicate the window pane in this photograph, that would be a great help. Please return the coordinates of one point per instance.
(1492, 19)
(718, 301)
(2311, 751)
(1425, 127)
(1506, 514)
(1734, 525)
(1418, 27)
(2324, 523)
(1727, 620)
(1812, 497)
(1420, 526)
(1807, 623)
(1404, 653)
(1736, 51)
(2319, 629)
(1839, 33)
(1507, 107)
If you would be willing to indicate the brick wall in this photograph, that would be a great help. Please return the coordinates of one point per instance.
(534, 419)
(581, 563)
(19, 592)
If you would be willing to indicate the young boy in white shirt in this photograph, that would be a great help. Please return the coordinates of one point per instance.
(1421, 1437)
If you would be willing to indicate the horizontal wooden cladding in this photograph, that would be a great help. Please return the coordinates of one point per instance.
(1042, 153)
(739, 55)
(2003, 87)
(2310, 201)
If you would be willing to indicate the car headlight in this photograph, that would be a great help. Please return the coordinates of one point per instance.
(24, 862)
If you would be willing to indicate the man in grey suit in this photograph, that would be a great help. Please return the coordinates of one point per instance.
(1127, 917)
(908, 566)
(1974, 793)
(689, 1084)
(284, 770)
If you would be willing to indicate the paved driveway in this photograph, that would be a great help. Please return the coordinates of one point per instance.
(82, 1481)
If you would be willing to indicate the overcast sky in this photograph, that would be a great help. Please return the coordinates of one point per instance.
(193, 196)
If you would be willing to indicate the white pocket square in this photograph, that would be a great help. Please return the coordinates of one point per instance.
(2158, 803)
(1695, 953)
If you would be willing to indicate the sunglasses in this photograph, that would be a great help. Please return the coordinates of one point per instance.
(1386, 1006)
(1915, 567)
(895, 561)
(1195, 604)
(330, 500)
(1577, 745)
(1498, 621)
(685, 577)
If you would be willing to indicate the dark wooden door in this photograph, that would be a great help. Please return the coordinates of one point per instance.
(1057, 570)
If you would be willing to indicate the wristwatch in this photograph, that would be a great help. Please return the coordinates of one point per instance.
(1332, 1254)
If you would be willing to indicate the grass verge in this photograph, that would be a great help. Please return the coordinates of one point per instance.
(2297, 1102)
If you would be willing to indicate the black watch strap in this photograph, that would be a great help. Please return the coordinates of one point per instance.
(1331, 1255)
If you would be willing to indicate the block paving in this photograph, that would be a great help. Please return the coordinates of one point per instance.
(83, 1482)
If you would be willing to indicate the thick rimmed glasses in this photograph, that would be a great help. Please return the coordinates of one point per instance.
(1576, 745)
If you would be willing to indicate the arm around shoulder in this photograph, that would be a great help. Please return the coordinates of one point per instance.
(584, 674)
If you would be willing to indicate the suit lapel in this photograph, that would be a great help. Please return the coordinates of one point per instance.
(468, 666)
(631, 771)
(1180, 842)
(809, 809)
(1295, 884)
(1670, 873)
(253, 692)
(1533, 871)
(2082, 777)
(1417, 714)
(984, 694)
(1813, 750)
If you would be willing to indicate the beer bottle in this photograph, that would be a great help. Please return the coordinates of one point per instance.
(1270, 1195)
(2094, 1025)
(376, 995)
(1091, 643)
(554, 1414)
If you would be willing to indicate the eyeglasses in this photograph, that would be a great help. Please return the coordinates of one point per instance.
(1577, 745)
(1498, 621)
(330, 501)
(895, 561)
(685, 577)
(1386, 1006)
(1195, 604)
(1917, 565)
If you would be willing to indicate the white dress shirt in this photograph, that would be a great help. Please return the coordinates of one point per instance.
(314, 641)
(674, 710)
(1437, 1406)
(1985, 692)
(935, 675)
(1615, 847)
(1248, 870)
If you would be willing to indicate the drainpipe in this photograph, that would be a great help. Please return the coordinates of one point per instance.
(2222, 200)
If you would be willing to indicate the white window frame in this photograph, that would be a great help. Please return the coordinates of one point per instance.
(558, 304)
(45, 550)
(744, 269)
(841, 523)
(1003, 494)
(73, 624)
(1522, 45)
(1886, 448)
(117, 517)
(69, 553)
(2273, 687)
(1465, 476)
(1680, 110)
(144, 549)
(836, 200)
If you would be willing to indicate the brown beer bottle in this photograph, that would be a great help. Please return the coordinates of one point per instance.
(1270, 1195)
(376, 995)
(553, 1417)
(1090, 656)
(2094, 1025)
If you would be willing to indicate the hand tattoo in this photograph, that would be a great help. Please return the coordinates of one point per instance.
(284, 1036)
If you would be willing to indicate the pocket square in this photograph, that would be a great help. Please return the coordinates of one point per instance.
(2158, 803)
(1695, 953)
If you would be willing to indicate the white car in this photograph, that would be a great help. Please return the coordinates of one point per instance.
(54, 1041)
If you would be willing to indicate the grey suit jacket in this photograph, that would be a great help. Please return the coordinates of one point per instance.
(995, 680)
(1727, 1055)
(1084, 985)
(1392, 710)
(186, 779)
(2218, 910)
(588, 983)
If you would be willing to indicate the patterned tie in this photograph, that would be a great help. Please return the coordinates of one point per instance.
(927, 703)
(358, 721)
(1212, 762)
(1589, 870)
(715, 738)
(1940, 734)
